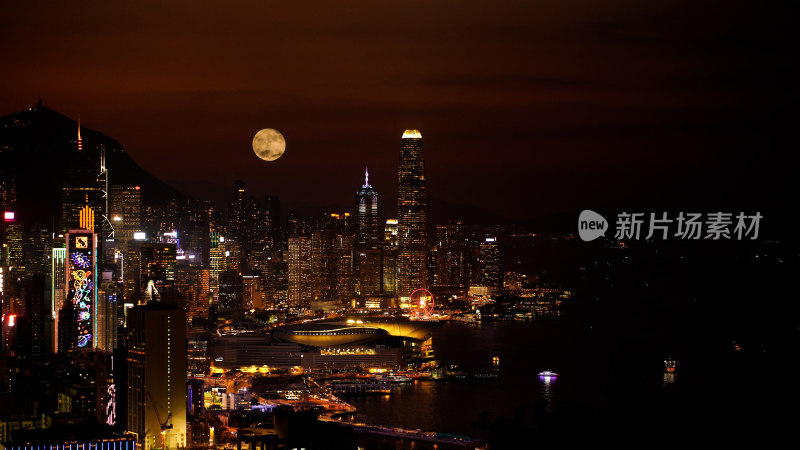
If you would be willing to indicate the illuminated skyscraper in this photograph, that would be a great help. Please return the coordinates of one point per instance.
(158, 263)
(80, 190)
(125, 210)
(368, 239)
(452, 259)
(411, 201)
(81, 287)
(58, 288)
(300, 282)
(491, 265)
(389, 257)
(157, 375)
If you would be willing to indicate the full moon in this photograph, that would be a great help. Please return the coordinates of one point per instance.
(269, 144)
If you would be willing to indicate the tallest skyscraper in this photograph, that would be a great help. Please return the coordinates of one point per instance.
(411, 202)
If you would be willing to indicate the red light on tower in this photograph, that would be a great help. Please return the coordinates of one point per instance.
(9, 216)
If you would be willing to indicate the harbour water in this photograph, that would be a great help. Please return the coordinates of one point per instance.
(603, 385)
(456, 405)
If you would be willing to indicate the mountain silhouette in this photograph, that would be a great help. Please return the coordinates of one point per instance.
(36, 147)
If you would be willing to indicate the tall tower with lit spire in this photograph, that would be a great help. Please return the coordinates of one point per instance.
(368, 239)
(80, 139)
(81, 189)
(411, 202)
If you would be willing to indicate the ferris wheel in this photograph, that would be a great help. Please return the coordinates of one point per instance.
(421, 302)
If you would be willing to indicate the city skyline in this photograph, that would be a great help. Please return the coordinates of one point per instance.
(462, 225)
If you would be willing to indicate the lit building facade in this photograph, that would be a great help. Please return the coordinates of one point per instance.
(389, 257)
(58, 288)
(158, 262)
(81, 286)
(125, 210)
(81, 189)
(157, 375)
(452, 258)
(300, 276)
(411, 203)
(491, 265)
(368, 239)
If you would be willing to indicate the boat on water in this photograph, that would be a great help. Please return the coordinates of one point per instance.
(669, 366)
(392, 378)
(548, 375)
(356, 386)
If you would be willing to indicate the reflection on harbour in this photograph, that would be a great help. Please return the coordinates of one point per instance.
(547, 385)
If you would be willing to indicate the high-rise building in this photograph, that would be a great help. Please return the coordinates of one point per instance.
(389, 257)
(109, 303)
(342, 246)
(58, 289)
(367, 214)
(81, 287)
(452, 259)
(125, 210)
(368, 239)
(218, 256)
(491, 265)
(300, 282)
(323, 276)
(157, 375)
(158, 262)
(231, 294)
(412, 249)
(333, 257)
(80, 190)
(193, 284)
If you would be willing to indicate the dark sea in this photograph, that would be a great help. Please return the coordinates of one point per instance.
(605, 387)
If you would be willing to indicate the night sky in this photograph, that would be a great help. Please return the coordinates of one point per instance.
(526, 108)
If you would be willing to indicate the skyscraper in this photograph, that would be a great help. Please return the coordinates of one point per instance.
(389, 257)
(81, 189)
(411, 201)
(157, 375)
(300, 282)
(81, 281)
(491, 265)
(452, 259)
(368, 239)
(125, 204)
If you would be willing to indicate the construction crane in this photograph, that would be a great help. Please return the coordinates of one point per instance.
(165, 425)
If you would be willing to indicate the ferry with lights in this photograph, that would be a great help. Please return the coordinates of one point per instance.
(548, 375)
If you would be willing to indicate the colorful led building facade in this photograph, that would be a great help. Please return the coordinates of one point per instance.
(412, 246)
(81, 282)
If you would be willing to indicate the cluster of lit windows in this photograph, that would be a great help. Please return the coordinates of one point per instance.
(337, 332)
(347, 351)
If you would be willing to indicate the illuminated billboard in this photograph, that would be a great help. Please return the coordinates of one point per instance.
(81, 282)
